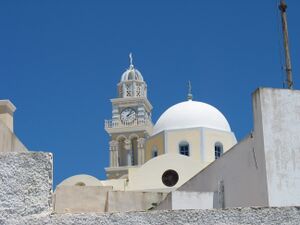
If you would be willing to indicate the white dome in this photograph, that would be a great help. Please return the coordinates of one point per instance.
(81, 180)
(132, 74)
(191, 114)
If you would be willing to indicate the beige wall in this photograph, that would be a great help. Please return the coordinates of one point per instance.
(80, 199)
(201, 142)
(155, 141)
(8, 120)
(9, 141)
(192, 136)
(97, 199)
(149, 176)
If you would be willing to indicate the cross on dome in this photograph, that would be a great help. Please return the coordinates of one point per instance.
(190, 95)
(130, 60)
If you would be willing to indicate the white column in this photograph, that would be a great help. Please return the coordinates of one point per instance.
(141, 151)
(114, 147)
(128, 149)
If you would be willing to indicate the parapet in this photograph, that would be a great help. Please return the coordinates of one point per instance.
(7, 110)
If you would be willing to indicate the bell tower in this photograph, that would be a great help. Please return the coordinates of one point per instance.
(130, 125)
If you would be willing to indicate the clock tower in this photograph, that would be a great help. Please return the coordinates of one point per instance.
(130, 125)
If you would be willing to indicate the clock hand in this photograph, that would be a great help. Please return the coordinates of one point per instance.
(130, 114)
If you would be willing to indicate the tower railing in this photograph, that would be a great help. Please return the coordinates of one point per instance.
(121, 124)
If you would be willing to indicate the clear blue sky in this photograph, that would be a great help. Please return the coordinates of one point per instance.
(60, 62)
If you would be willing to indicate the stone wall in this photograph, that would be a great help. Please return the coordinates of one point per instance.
(25, 184)
(238, 216)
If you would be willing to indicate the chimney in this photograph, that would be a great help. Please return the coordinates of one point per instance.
(7, 110)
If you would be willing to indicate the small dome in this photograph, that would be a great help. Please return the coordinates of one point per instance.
(191, 114)
(132, 74)
(81, 180)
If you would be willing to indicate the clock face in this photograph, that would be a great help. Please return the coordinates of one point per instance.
(128, 115)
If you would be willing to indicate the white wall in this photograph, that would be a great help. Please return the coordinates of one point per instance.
(280, 124)
(244, 177)
(176, 200)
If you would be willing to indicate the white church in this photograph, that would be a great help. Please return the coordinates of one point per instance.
(145, 157)
(190, 158)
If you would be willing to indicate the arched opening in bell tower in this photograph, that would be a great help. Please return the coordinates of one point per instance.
(134, 149)
(122, 153)
(134, 159)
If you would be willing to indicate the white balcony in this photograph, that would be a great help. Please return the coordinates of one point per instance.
(118, 125)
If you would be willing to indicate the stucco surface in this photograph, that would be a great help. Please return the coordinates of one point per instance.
(80, 199)
(9, 141)
(148, 177)
(243, 175)
(25, 184)
(274, 216)
(280, 110)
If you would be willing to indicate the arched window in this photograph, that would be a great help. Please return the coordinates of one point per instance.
(184, 148)
(154, 152)
(218, 150)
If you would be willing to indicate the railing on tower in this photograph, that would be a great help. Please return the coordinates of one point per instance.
(120, 124)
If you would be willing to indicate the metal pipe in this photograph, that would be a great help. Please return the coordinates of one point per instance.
(288, 64)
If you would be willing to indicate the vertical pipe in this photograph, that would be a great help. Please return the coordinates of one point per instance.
(288, 65)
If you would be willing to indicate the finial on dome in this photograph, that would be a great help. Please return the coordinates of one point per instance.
(131, 60)
(190, 96)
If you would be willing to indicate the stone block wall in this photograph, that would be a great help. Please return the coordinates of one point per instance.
(25, 184)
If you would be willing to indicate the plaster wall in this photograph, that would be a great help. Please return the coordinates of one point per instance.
(80, 199)
(149, 176)
(8, 120)
(192, 136)
(132, 201)
(242, 171)
(9, 141)
(155, 141)
(187, 200)
(211, 137)
(279, 120)
(116, 184)
(201, 142)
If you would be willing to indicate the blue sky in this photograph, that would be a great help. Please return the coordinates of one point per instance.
(60, 62)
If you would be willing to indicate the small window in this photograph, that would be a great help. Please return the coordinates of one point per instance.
(218, 150)
(184, 148)
(154, 152)
(80, 184)
(170, 178)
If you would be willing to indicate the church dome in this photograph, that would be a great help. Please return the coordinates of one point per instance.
(132, 74)
(191, 114)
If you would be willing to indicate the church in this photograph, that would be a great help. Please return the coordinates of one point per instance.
(159, 157)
